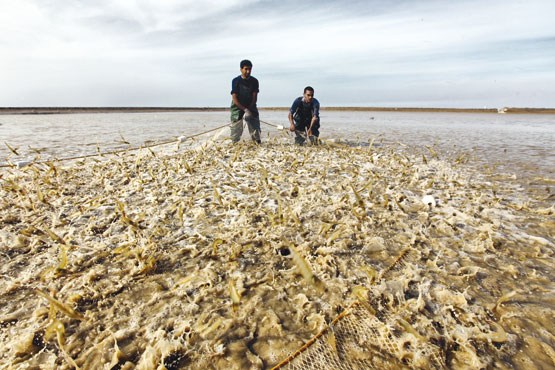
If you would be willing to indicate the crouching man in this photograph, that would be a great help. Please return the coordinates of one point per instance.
(304, 117)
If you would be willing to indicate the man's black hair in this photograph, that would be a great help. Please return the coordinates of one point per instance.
(309, 88)
(246, 63)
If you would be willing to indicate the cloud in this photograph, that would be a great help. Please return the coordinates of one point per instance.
(186, 52)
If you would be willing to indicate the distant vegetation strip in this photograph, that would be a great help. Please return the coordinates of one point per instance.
(68, 110)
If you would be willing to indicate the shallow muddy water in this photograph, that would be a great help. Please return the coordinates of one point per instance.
(523, 141)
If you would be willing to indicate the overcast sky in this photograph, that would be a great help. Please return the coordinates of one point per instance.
(465, 53)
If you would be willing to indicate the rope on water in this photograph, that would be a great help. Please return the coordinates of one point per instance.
(121, 150)
(279, 127)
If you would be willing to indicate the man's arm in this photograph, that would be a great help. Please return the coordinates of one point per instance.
(254, 99)
(315, 116)
(294, 107)
(312, 122)
(235, 99)
(291, 122)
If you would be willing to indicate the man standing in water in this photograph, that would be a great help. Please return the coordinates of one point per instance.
(304, 117)
(244, 94)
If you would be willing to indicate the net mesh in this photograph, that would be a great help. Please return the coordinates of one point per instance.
(371, 335)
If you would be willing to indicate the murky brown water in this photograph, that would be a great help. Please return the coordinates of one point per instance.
(226, 256)
(507, 140)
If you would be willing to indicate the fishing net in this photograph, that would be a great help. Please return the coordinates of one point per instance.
(370, 336)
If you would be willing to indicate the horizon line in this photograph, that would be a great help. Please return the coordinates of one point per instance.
(123, 109)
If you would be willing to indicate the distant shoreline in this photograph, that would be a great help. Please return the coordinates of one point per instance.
(71, 110)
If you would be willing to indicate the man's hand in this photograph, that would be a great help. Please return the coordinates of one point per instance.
(292, 127)
(248, 114)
